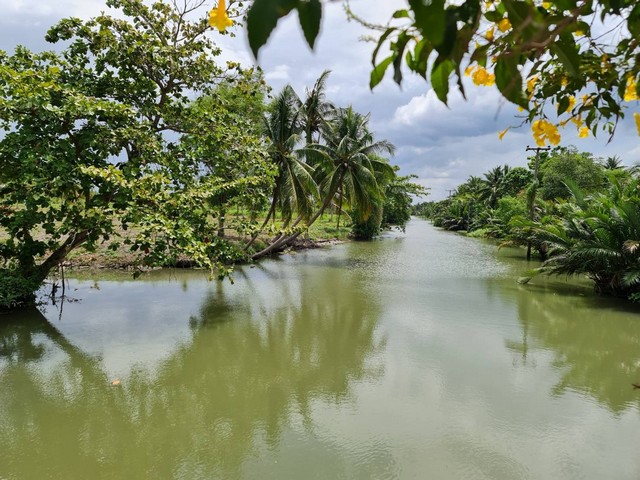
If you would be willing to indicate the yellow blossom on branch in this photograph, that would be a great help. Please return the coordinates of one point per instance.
(630, 92)
(502, 133)
(504, 25)
(218, 17)
(583, 132)
(636, 117)
(489, 34)
(480, 75)
(544, 131)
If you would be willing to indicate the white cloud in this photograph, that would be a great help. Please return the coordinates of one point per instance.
(278, 73)
(443, 146)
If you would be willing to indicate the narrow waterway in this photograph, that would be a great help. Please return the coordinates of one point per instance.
(415, 356)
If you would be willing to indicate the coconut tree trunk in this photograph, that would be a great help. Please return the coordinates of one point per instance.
(285, 240)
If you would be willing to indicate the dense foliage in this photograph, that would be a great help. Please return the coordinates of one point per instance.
(135, 136)
(585, 222)
(564, 62)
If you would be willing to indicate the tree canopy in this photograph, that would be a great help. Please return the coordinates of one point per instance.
(563, 62)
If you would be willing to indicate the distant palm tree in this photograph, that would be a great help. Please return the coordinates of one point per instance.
(495, 184)
(472, 186)
(612, 163)
(316, 109)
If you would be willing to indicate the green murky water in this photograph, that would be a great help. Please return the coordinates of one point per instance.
(416, 356)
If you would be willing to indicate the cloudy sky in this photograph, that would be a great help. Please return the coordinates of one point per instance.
(443, 146)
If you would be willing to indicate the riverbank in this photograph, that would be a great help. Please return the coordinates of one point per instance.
(323, 233)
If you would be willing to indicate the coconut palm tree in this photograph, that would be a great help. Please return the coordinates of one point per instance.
(612, 163)
(348, 163)
(351, 162)
(495, 183)
(294, 189)
(315, 109)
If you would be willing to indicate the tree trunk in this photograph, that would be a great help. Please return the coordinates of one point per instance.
(58, 255)
(284, 240)
(221, 212)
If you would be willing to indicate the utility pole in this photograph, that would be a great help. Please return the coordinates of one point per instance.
(532, 207)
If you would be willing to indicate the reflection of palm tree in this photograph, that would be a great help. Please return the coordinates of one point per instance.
(599, 354)
(205, 408)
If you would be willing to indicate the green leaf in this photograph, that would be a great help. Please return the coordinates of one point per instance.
(509, 81)
(398, 54)
(382, 39)
(377, 74)
(493, 16)
(440, 78)
(633, 23)
(420, 58)
(518, 12)
(310, 14)
(567, 52)
(563, 105)
(430, 19)
(262, 19)
(401, 14)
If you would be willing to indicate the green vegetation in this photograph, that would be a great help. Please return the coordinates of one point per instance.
(565, 62)
(135, 138)
(585, 222)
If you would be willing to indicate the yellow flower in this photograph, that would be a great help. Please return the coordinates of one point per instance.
(572, 103)
(630, 92)
(583, 132)
(520, 109)
(504, 25)
(504, 132)
(636, 117)
(544, 131)
(489, 34)
(218, 17)
(579, 33)
(482, 77)
(531, 83)
(564, 82)
(546, 5)
(577, 121)
(586, 100)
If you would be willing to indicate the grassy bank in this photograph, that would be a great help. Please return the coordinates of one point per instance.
(324, 231)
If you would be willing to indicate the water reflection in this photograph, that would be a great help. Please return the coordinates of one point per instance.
(595, 342)
(245, 384)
